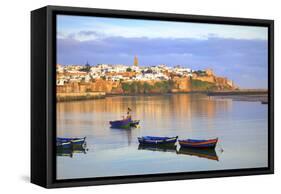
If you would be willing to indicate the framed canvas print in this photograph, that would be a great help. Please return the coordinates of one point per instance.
(126, 96)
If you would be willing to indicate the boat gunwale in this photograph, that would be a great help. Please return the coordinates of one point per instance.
(210, 141)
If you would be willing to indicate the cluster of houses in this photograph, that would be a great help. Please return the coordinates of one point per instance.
(118, 72)
(104, 77)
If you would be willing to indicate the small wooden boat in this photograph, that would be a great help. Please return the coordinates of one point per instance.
(192, 143)
(157, 140)
(124, 123)
(70, 142)
(201, 153)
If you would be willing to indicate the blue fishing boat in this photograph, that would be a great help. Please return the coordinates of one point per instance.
(124, 123)
(70, 142)
(153, 140)
(193, 143)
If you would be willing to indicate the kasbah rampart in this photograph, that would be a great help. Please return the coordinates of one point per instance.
(76, 82)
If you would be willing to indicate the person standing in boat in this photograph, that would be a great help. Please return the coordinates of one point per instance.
(129, 113)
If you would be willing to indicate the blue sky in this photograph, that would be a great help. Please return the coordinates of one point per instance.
(237, 52)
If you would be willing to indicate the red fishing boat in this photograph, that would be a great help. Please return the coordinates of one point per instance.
(194, 143)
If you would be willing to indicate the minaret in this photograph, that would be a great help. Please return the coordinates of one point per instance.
(136, 61)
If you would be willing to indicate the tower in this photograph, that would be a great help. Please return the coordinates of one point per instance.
(136, 61)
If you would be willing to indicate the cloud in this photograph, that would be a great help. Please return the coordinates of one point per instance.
(227, 56)
(81, 35)
(89, 33)
(133, 28)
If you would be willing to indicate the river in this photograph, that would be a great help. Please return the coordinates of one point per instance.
(241, 126)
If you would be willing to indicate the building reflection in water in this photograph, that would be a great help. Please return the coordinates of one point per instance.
(160, 113)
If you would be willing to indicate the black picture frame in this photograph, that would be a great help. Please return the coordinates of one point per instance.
(43, 96)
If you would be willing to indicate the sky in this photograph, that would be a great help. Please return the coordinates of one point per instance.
(237, 52)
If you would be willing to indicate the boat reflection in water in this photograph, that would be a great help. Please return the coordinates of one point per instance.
(69, 152)
(160, 148)
(202, 153)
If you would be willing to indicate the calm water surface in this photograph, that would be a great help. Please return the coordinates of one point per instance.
(240, 126)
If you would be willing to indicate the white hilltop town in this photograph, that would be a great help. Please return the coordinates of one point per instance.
(117, 72)
(77, 80)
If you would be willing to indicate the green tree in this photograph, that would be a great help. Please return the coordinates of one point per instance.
(126, 87)
(202, 85)
(147, 87)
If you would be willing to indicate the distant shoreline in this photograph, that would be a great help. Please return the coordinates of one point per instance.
(242, 95)
(248, 94)
(238, 92)
(157, 94)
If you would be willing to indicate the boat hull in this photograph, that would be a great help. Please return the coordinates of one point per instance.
(150, 140)
(70, 142)
(202, 144)
(134, 123)
(121, 123)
